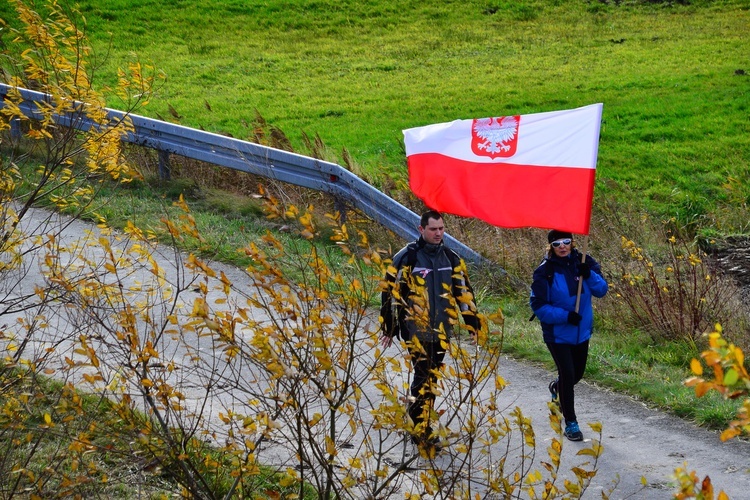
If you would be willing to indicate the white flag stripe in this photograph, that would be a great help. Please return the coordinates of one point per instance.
(567, 138)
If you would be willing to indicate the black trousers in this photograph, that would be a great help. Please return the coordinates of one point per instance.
(571, 363)
(427, 358)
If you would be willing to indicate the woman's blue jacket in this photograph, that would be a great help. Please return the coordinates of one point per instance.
(553, 296)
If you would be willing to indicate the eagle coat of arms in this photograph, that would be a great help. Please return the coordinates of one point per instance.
(495, 137)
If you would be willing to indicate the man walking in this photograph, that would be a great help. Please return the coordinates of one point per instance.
(425, 286)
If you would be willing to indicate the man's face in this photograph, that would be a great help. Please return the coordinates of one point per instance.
(433, 232)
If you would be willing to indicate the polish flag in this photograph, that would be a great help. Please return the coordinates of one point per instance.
(511, 171)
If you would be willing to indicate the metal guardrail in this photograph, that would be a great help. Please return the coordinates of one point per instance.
(260, 160)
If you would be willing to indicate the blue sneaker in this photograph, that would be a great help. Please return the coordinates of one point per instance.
(553, 389)
(572, 432)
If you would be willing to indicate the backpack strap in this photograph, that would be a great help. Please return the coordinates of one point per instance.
(453, 256)
(411, 255)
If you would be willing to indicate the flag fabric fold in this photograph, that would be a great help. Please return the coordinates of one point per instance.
(533, 170)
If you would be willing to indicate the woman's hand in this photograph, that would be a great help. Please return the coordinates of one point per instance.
(574, 318)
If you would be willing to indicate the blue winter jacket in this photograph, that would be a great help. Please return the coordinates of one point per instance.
(553, 296)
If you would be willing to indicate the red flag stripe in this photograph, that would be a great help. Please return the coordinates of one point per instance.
(505, 195)
(532, 170)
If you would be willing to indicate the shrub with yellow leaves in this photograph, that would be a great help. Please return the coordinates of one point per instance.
(726, 367)
(677, 298)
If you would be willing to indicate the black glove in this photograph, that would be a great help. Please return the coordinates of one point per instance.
(584, 270)
(574, 318)
(473, 321)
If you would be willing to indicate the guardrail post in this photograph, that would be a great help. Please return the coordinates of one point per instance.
(340, 207)
(165, 171)
(15, 129)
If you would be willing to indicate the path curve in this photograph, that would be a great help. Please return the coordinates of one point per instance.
(639, 442)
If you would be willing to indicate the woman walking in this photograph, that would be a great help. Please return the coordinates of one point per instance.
(567, 320)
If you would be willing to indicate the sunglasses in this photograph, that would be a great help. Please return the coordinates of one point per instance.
(565, 242)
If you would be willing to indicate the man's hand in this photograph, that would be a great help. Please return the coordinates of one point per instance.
(386, 341)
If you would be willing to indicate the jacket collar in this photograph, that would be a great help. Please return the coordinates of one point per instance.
(567, 266)
(429, 248)
(572, 257)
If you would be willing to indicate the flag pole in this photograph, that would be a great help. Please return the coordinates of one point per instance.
(580, 281)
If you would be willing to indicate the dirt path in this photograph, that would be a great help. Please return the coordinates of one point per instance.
(638, 442)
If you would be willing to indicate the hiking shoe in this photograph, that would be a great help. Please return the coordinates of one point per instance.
(553, 389)
(431, 446)
(572, 432)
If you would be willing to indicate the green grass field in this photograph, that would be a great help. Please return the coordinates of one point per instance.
(674, 78)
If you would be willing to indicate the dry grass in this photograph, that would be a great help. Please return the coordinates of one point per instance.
(516, 252)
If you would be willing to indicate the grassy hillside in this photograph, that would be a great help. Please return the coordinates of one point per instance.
(674, 78)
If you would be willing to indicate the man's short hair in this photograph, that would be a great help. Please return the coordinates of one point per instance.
(430, 214)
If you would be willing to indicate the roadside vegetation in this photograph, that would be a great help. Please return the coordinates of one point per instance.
(340, 80)
(672, 178)
(672, 77)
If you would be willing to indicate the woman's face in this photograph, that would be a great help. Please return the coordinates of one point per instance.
(562, 247)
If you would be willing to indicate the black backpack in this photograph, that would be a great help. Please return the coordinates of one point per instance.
(550, 273)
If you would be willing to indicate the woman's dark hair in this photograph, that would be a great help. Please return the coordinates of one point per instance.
(556, 234)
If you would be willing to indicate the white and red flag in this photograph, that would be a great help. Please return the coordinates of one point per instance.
(532, 170)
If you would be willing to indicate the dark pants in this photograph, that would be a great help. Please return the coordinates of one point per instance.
(426, 361)
(571, 363)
